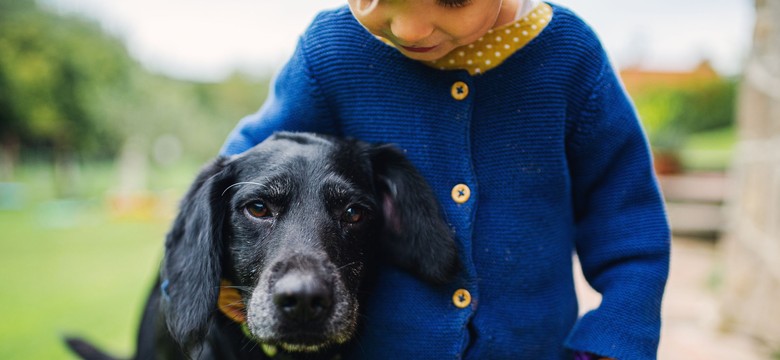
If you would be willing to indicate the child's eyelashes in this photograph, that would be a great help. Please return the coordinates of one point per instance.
(454, 3)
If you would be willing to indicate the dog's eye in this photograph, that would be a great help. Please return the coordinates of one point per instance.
(352, 215)
(257, 209)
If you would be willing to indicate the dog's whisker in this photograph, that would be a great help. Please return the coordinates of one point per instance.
(237, 287)
(254, 345)
(240, 303)
(246, 344)
(244, 289)
(360, 346)
(346, 265)
(240, 183)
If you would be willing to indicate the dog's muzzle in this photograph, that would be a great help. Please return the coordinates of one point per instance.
(301, 304)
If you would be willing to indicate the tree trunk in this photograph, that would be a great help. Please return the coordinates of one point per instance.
(67, 173)
(9, 155)
(751, 247)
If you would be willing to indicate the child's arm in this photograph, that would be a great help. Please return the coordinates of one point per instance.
(622, 234)
(295, 103)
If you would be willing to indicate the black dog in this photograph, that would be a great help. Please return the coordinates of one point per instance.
(296, 225)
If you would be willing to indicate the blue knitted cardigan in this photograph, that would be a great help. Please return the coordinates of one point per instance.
(556, 161)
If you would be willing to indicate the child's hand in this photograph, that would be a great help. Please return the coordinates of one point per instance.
(588, 356)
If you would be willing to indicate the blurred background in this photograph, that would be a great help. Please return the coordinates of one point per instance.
(109, 107)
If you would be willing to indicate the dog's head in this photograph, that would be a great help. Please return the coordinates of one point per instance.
(295, 223)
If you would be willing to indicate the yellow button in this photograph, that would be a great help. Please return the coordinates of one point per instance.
(461, 193)
(461, 298)
(459, 90)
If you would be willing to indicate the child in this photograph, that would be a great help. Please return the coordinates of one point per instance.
(513, 113)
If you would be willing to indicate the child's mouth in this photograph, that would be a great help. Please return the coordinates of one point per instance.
(418, 49)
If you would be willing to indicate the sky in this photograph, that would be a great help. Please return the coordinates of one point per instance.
(207, 40)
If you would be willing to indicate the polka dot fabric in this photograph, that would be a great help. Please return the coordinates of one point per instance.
(497, 45)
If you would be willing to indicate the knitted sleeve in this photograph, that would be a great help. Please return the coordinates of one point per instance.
(295, 103)
(622, 233)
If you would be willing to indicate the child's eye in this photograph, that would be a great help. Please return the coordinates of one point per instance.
(454, 3)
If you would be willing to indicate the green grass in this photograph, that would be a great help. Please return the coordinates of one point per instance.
(70, 267)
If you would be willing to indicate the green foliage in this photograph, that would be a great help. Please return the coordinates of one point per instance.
(199, 115)
(671, 115)
(50, 67)
(707, 106)
(68, 88)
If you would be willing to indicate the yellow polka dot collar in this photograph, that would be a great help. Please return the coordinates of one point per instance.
(497, 45)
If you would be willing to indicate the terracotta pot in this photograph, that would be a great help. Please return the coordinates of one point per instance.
(666, 163)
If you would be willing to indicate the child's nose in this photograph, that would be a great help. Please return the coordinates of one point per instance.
(411, 28)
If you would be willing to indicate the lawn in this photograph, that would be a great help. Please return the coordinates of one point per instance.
(74, 266)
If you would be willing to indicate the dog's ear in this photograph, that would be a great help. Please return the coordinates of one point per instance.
(415, 235)
(191, 268)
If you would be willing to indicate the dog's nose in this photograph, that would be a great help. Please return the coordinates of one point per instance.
(302, 297)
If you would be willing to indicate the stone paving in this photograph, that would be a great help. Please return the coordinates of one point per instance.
(691, 324)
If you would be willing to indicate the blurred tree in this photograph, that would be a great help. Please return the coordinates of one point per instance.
(706, 106)
(71, 92)
(50, 69)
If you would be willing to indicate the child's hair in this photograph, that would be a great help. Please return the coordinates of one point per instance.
(363, 7)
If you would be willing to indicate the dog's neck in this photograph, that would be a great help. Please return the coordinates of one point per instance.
(230, 302)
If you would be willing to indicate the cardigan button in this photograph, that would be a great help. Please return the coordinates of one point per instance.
(461, 193)
(459, 90)
(461, 298)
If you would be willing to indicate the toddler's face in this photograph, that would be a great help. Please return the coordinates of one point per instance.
(429, 29)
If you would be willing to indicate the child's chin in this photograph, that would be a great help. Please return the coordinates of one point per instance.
(432, 55)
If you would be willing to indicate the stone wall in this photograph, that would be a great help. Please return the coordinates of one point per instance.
(751, 246)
